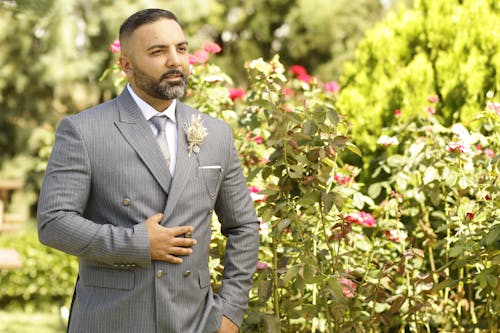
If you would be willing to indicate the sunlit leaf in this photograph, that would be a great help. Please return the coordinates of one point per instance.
(354, 149)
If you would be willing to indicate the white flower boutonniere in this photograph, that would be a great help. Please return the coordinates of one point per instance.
(195, 132)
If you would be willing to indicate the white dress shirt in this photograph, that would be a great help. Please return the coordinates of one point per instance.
(171, 127)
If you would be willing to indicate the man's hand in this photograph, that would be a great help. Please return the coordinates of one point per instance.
(227, 326)
(164, 243)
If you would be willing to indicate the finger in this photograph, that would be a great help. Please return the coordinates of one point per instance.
(172, 259)
(178, 231)
(156, 218)
(185, 242)
(180, 251)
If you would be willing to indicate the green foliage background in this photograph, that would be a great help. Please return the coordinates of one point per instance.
(431, 260)
(445, 48)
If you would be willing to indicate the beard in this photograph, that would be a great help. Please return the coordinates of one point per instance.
(162, 88)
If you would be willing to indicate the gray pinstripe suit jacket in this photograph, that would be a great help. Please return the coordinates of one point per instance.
(105, 176)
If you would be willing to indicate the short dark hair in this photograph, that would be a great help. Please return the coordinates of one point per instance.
(142, 17)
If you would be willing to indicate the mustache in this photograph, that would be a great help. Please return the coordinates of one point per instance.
(173, 72)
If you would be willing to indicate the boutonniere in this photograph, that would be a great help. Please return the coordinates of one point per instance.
(195, 132)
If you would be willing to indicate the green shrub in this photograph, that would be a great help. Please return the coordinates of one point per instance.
(449, 49)
(47, 276)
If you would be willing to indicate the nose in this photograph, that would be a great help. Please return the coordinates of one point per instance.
(173, 58)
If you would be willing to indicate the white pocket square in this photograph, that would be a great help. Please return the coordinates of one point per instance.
(210, 167)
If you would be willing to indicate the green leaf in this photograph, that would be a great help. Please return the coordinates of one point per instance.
(374, 190)
(309, 198)
(492, 236)
(266, 214)
(290, 274)
(491, 280)
(265, 290)
(268, 191)
(381, 307)
(430, 175)
(266, 172)
(354, 149)
(463, 182)
(310, 274)
(338, 200)
(358, 200)
(309, 127)
(333, 117)
(272, 323)
(449, 282)
(328, 200)
(313, 155)
(451, 179)
(283, 224)
(395, 161)
(296, 171)
(340, 141)
(456, 251)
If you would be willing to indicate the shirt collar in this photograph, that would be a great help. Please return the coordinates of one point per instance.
(148, 111)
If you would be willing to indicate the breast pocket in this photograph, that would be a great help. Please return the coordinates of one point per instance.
(212, 176)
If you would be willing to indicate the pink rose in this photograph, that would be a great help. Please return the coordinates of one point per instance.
(254, 194)
(494, 106)
(342, 179)
(258, 139)
(361, 218)
(236, 93)
(212, 47)
(332, 86)
(287, 91)
(433, 99)
(348, 287)
(199, 57)
(115, 47)
(262, 266)
(304, 78)
(489, 152)
(298, 70)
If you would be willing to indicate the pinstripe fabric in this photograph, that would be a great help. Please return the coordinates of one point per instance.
(106, 175)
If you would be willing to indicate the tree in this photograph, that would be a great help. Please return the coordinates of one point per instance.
(318, 34)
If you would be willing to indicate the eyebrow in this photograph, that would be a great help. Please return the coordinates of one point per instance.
(161, 46)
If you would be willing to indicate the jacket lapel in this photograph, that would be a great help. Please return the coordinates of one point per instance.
(136, 130)
(185, 166)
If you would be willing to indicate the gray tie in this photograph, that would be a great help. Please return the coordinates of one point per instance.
(160, 123)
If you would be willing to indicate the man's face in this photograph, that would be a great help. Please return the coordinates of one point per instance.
(156, 60)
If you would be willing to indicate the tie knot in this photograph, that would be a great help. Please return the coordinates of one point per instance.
(160, 122)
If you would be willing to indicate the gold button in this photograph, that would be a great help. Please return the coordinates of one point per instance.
(160, 273)
(126, 202)
(187, 273)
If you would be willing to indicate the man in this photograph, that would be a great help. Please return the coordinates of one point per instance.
(134, 203)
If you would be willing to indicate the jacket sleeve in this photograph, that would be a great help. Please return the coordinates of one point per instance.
(236, 213)
(63, 199)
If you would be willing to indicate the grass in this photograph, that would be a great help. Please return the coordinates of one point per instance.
(26, 322)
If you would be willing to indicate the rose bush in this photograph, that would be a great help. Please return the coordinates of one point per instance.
(417, 250)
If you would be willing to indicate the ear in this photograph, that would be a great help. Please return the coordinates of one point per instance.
(126, 66)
